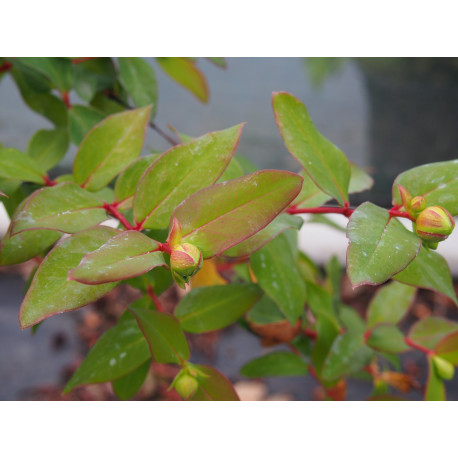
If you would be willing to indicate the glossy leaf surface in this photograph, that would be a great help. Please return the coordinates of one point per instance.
(185, 73)
(431, 330)
(390, 304)
(18, 166)
(348, 354)
(275, 269)
(48, 147)
(166, 340)
(380, 246)
(138, 78)
(82, 120)
(64, 207)
(110, 147)
(126, 255)
(127, 182)
(437, 182)
(220, 216)
(213, 386)
(127, 386)
(326, 164)
(387, 338)
(51, 292)
(280, 224)
(215, 307)
(181, 171)
(275, 364)
(428, 270)
(119, 351)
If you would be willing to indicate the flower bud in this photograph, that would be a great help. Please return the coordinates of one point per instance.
(185, 385)
(444, 368)
(185, 261)
(434, 224)
(406, 197)
(418, 204)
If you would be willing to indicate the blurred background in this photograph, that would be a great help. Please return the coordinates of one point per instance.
(386, 114)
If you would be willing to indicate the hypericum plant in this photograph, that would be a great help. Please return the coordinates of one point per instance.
(194, 211)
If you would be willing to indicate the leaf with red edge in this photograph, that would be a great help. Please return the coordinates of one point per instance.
(213, 386)
(165, 337)
(186, 74)
(326, 164)
(16, 165)
(447, 348)
(50, 291)
(64, 207)
(380, 246)
(126, 255)
(110, 147)
(3, 194)
(181, 171)
(220, 216)
(435, 388)
(429, 331)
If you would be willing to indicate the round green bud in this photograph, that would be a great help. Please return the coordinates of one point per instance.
(185, 261)
(418, 204)
(185, 385)
(434, 224)
(444, 368)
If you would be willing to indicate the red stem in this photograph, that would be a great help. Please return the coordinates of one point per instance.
(48, 181)
(80, 60)
(66, 99)
(346, 211)
(5, 66)
(165, 247)
(423, 349)
(111, 208)
(155, 299)
(310, 333)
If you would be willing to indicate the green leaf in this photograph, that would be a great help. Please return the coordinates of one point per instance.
(215, 307)
(348, 354)
(380, 246)
(311, 195)
(110, 147)
(435, 388)
(327, 331)
(106, 104)
(390, 304)
(429, 331)
(351, 319)
(48, 147)
(126, 387)
(127, 182)
(387, 338)
(218, 61)
(126, 255)
(213, 386)
(429, 270)
(118, 352)
(234, 170)
(437, 182)
(360, 180)
(280, 224)
(93, 76)
(186, 74)
(139, 80)
(18, 166)
(51, 292)
(25, 246)
(82, 120)
(276, 364)
(43, 103)
(447, 348)
(181, 171)
(165, 338)
(64, 207)
(220, 216)
(326, 164)
(58, 69)
(275, 269)
(265, 311)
